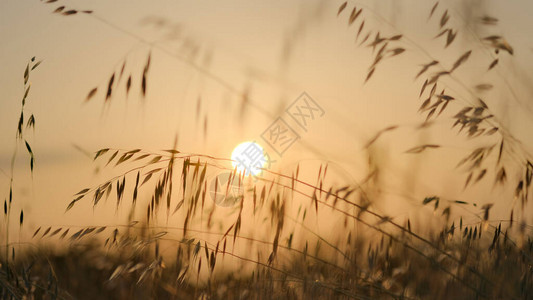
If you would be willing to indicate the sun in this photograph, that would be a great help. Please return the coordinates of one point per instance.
(249, 158)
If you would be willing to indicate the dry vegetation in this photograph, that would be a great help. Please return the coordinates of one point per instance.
(174, 246)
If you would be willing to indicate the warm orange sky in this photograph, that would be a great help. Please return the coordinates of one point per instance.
(245, 40)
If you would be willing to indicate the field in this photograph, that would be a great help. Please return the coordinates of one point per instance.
(239, 150)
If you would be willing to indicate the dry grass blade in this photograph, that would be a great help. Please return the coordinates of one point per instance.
(82, 191)
(425, 104)
(360, 30)
(27, 73)
(492, 131)
(445, 97)
(493, 64)
(144, 74)
(419, 149)
(481, 175)
(55, 232)
(461, 60)
(488, 20)
(504, 45)
(450, 37)
(36, 232)
(70, 12)
(46, 232)
(91, 94)
(443, 32)
(36, 65)
(375, 138)
(444, 19)
(342, 7)
(141, 157)
(370, 73)
(128, 85)
(433, 9)
(500, 152)
(499, 43)
(365, 38)
(484, 87)
(112, 157)
(122, 70)
(426, 67)
(100, 153)
(146, 178)
(423, 88)
(117, 272)
(397, 51)
(110, 87)
(143, 84)
(355, 14)
(395, 37)
(31, 122)
(64, 234)
(28, 147)
(377, 40)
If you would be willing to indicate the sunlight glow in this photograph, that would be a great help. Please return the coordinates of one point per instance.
(248, 157)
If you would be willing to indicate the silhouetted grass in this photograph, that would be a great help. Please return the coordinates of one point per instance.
(178, 244)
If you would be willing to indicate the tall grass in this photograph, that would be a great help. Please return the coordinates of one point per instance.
(178, 244)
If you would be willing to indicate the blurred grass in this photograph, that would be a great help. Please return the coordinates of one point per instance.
(250, 251)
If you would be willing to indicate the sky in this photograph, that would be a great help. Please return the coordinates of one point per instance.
(205, 55)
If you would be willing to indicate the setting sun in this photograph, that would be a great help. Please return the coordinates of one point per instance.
(248, 157)
(300, 149)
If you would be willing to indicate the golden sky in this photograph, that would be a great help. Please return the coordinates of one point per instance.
(206, 54)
